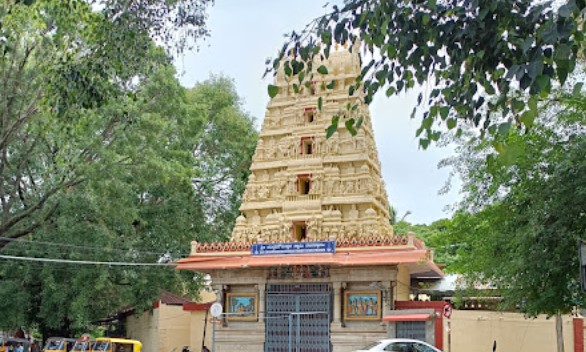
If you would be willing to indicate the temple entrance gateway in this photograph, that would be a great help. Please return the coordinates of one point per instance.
(297, 317)
(313, 263)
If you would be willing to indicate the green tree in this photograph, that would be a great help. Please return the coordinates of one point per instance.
(434, 236)
(488, 63)
(149, 196)
(69, 71)
(521, 221)
(224, 149)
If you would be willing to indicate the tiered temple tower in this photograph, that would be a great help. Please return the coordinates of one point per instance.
(279, 293)
(305, 187)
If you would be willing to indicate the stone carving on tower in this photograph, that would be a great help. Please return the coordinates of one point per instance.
(305, 187)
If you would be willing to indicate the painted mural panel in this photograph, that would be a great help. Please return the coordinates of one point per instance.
(242, 306)
(362, 305)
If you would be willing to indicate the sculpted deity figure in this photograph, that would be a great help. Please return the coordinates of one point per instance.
(370, 230)
(323, 235)
(352, 231)
(277, 119)
(260, 150)
(283, 147)
(254, 231)
(316, 184)
(293, 147)
(353, 213)
(270, 149)
(369, 185)
(282, 185)
(251, 191)
(275, 235)
(359, 142)
(335, 146)
(317, 145)
(328, 186)
(264, 177)
(255, 218)
(263, 192)
(293, 184)
(342, 233)
(349, 187)
(246, 195)
(285, 231)
(334, 232)
(313, 229)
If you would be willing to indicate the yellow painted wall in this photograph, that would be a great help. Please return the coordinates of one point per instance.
(403, 284)
(145, 329)
(169, 328)
(197, 320)
(174, 326)
(475, 331)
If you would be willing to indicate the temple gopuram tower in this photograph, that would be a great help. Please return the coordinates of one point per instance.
(313, 263)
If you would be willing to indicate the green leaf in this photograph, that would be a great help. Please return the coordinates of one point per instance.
(326, 37)
(518, 105)
(322, 70)
(319, 103)
(331, 85)
(451, 123)
(424, 143)
(350, 126)
(359, 121)
(426, 123)
(499, 147)
(577, 91)
(273, 90)
(390, 91)
(528, 117)
(335, 120)
(331, 130)
(444, 111)
(504, 128)
(301, 77)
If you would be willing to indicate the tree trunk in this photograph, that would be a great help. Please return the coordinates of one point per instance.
(559, 332)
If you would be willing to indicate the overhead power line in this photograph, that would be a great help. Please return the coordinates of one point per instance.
(83, 262)
(83, 247)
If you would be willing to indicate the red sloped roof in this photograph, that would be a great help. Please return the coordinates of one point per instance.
(197, 306)
(171, 299)
(417, 259)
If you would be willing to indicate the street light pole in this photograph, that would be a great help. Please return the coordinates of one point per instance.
(214, 334)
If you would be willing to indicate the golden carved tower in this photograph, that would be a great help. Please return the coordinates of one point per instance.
(304, 187)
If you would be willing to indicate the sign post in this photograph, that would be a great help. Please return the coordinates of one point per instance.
(216, 309)
(447, 312)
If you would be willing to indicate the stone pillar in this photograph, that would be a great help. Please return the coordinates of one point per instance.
(261, 304)
(337, 323)
(388, 298)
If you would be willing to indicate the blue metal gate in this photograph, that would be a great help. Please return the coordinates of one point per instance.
(298, 318)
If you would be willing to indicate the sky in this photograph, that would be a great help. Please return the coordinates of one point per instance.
(245, 33)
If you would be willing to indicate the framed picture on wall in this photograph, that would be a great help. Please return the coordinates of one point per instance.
(362, 305)
(242, 306)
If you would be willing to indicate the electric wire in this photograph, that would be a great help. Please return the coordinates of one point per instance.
(82, 262)
(83, 247)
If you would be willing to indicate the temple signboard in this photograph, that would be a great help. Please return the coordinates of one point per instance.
(293, 248)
